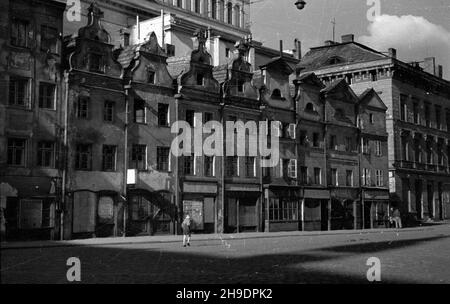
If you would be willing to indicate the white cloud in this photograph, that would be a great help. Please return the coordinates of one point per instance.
(414, 38)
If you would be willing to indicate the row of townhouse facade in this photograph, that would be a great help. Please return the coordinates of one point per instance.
(418, 118)
(107, 167)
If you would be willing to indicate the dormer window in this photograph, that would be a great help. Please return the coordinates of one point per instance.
(309, 107)
(241, 86)
(96, 63)
(339, 113)
(335, 60)
(276, 94)
(150, 76)
(200, 79)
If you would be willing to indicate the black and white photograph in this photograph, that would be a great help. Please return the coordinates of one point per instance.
(224, 147)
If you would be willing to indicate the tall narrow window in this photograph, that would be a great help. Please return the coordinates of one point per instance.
(197, 6)
(96, 63)
(19, 32)
(189, 165)
(333, 142)
(237, 16)
(232, 166)
(83, 157)
(427, 116)
(46, 154)
(349, 178)
(190, 117)
(163, 115)
(214, 9)
(109, 158)
(162, 155)
(317, 176)
(18, 91)
(82, 107)
(379, 176)
(138, 157)
(16, 151)
(200, 79)
(150, 76)
(230, 13)
(378, 151)
(209, 166)
(316, 139)
(334, 177)
(139, 111)
(365, 146)
(250, 166)
(180, 3)
(438, 117)
(303, 175)
(222, 10)
(403, 108)
(366, 181)
(49, 39)
(416, 113)
(46, 95)
(108, 111)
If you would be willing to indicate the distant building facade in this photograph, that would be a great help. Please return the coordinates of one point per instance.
(31, 117)
(418, 115)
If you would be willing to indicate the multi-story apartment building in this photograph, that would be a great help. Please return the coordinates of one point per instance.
(30, 117)
(333, 154)
(418, 102)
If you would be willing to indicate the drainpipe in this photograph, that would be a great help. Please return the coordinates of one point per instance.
(65, 141)
(125, 161)
(325, 133)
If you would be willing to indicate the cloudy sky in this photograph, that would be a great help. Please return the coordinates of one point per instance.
(417, 29)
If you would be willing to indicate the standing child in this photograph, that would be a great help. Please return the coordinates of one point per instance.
(186, 226)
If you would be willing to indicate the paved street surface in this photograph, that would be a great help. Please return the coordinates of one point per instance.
(416, 255)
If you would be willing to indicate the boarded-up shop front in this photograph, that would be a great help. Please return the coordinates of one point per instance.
(199, 200)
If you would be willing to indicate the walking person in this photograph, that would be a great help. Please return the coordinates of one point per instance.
(186, 226)
(397, 219)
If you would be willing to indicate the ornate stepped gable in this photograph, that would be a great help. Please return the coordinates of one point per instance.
(141, 59)
(200, 67)
(91, 50)
(239, 75)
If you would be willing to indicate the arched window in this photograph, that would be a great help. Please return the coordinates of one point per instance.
(237, 16)
(309, 107)
(276, 94)
(214, 9)
(222, 10)
(197, 6)
(230, 13)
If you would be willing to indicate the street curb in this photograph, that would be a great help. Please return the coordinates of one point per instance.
(214, 237)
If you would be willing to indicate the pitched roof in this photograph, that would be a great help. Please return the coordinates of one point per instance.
(279, 62)
(370, 98)
(343, 53)
(340, 86)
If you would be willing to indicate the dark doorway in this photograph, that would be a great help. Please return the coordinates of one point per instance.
(324, 215)
(430, 196)
(418, 191)
(367, 215)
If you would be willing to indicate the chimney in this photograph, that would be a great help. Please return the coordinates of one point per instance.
(281, 48)
(429, 65)
(298, 49)
(348, 38)
(124, 38)
(392, 53)
(440, 71)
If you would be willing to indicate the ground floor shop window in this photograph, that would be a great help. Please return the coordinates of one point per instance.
(283, 210)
